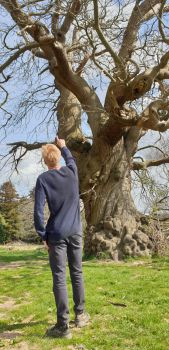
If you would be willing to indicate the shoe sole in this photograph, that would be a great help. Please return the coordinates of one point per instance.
(81, 325)
(68, 336)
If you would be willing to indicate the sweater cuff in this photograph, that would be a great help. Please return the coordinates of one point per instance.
(63, 149)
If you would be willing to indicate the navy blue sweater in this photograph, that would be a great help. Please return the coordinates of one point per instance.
(61, 190)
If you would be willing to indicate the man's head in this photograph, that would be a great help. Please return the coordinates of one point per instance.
(51, 155)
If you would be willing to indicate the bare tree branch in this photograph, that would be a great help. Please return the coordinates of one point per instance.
(150, 146)
(155, 116)
(155, 11)
(17, 54)
(163, 73)
(27, 146)
(70, 16)
(41, 13)
(113, 54)
(24, 147)
(58, 61)
(149, 163)
(134, 22)
(6, 96)
(82, 64)
(160, 22)
(55, 17)
(143, 82)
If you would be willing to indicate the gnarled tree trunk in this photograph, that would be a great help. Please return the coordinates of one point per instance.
(114, 226)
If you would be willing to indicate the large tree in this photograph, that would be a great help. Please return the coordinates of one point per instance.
(122, 44)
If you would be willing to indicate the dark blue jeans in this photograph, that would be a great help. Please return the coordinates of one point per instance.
(71, 249)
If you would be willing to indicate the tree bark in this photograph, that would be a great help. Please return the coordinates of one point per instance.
(114, 226)
(69, 115)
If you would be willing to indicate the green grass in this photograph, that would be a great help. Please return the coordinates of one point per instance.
(128, 303)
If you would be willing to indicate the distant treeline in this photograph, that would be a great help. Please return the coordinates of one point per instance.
(16, 215)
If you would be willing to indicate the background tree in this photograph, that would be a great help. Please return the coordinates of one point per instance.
(4, 236)
(123, 45)
(26, 208)
(9, 210)
(152, 183)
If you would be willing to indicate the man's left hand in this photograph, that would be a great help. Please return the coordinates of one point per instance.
(46, 245)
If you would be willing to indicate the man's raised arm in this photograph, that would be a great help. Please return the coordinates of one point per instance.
(66, 154)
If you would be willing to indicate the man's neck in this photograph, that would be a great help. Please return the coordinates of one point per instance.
(57, 167)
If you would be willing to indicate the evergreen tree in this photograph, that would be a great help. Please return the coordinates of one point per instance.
(3, 230)
(9, 208)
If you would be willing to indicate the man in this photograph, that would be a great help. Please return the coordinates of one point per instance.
(62, 235)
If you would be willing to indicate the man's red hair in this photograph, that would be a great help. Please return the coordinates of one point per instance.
(51, 154)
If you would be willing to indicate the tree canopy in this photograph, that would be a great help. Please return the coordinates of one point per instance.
(106, 61)
(122, 43)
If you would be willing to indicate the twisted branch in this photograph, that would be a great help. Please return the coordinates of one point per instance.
(70, 16)
(160, 22)
(116, 58)
(151, 117)
(148, 163)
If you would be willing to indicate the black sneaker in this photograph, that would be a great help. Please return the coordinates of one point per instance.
(82, 320)
(59, 332)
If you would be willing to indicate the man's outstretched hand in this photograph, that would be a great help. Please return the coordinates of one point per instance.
(60, 142)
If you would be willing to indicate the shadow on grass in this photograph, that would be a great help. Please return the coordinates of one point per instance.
(18, 326)
(10, 256)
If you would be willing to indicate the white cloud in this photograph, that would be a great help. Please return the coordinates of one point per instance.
(29, 168)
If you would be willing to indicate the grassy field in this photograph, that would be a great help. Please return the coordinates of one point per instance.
(128, 303)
